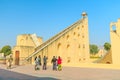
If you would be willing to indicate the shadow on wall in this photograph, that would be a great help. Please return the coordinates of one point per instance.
(9, 75)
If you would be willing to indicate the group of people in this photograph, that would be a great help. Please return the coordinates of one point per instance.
(38, 62)
(56, 63)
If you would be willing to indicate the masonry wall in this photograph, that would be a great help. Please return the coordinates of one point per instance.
(115, 46)
(24, 40)
(24, 51)
(115, 43)
(25, 45)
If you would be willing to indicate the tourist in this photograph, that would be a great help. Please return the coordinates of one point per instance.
(59, 62)
(9, 62)
(36, 63)
(45, 63)
(54, 61)
(39, 61)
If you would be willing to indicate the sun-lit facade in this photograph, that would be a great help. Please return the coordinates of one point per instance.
(115, 41)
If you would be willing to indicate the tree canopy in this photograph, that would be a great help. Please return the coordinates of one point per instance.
(93, 49)
(107, 46)
(6, 50)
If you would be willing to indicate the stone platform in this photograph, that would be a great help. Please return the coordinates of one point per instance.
(81, 72)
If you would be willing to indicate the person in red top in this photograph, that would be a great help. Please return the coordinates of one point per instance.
(59, 62)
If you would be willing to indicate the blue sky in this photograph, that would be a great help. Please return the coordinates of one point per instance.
(48, 17)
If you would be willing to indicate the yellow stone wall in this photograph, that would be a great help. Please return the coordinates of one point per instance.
(25, 51)
(73, 46)
(25, 45)
(26, 40)
(115, 41)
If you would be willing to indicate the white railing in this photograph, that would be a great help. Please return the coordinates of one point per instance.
(35, 40)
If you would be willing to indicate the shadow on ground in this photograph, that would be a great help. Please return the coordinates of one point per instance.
(9, 75)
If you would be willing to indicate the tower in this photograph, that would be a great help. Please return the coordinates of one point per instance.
(115, 41)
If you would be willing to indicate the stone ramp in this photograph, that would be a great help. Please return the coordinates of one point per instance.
(107, 59)
(52, 39)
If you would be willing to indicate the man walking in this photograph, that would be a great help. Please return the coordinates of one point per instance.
(45, 63)
(54, 61)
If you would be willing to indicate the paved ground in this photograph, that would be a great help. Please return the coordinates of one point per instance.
(68, 73)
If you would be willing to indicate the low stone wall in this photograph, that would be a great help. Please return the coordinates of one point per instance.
(2, 61)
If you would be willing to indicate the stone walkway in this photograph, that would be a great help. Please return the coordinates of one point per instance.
(68, 73)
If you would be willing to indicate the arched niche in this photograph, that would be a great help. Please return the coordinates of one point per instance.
(68, 46)
(59, 45)
(68, 37)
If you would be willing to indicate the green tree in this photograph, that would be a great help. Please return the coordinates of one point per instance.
(107, 46)
(6, 50)
(93, 49)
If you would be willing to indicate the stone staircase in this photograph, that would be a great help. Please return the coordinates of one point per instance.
(35, 40)
(106, 59)
(57, 36)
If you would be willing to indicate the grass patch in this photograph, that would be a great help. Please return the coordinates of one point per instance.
(95, 57)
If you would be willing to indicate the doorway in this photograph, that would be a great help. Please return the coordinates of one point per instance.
(17, 53)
